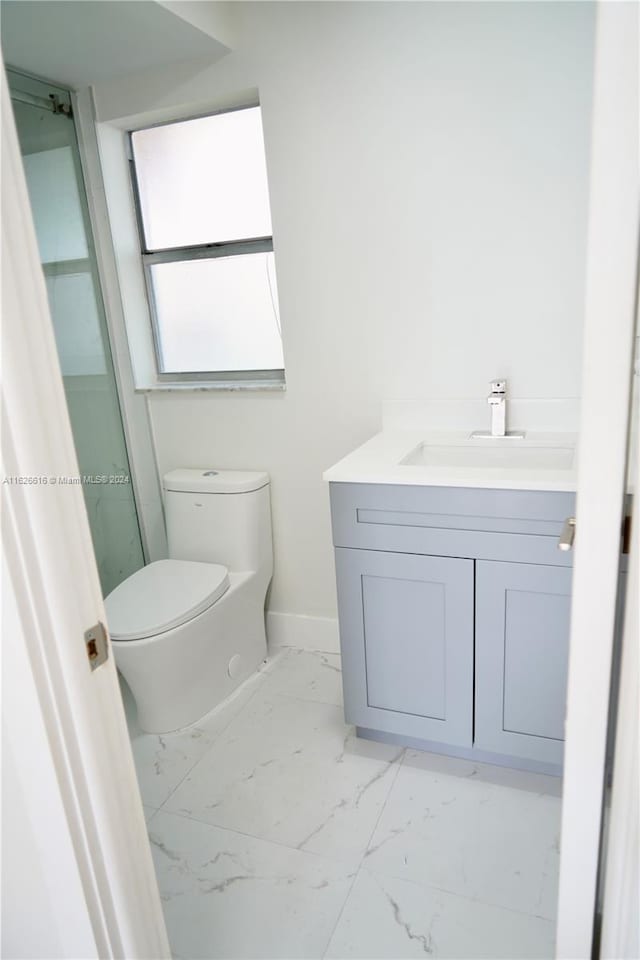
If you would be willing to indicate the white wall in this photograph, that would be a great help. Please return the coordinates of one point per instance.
(428, 169)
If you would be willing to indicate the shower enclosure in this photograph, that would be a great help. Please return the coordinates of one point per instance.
(49, 147)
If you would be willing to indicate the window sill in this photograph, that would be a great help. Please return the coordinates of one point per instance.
(233, 386)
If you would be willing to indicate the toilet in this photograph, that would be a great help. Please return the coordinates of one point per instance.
(187, 631)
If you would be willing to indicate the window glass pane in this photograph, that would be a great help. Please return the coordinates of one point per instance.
(203, 181)
(218, 315)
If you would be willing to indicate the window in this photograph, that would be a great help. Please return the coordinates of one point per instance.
(205, 224)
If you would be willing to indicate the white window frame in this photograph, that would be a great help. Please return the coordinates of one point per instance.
(203, 251)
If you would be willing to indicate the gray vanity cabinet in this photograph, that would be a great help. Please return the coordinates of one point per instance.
(454, 607)
(408, 665)
(521, 657)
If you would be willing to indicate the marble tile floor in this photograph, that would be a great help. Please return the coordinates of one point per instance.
(277, 833)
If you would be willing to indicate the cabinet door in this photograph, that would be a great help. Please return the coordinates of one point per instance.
(522, 645)
(406, 629)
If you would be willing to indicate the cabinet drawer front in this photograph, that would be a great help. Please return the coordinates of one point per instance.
(509, 525)
(406, 631)
(522, 644)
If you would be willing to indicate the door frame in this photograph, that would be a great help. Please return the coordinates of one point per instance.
(612, 263)
(74, 725)
(620, 919)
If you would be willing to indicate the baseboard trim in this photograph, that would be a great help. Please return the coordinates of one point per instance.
(307, 633)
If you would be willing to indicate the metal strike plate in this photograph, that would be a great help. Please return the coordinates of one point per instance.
(97, 643)
(568, 534)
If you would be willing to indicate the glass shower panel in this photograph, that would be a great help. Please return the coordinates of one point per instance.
(56, 189)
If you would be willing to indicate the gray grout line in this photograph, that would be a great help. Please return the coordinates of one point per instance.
(455, 894)
(212, 744)
(342, 909)
(294, 696)
(252, 836)
(384, 805)
(364, 855)
(431, 886)
(324, 653)
(263, 676)
(280, 843)
(265, 673)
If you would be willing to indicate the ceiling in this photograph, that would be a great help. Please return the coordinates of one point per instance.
(76, 43)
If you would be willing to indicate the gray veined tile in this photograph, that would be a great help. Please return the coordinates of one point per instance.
(227, 895)
(149, 812)
(290, 771)
(163, 760)
(537, 783)
(386, 917)
(547, 905)
(280, 765)
(308, 675)
(466, 835)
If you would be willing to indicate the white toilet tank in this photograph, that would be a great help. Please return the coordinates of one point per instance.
(220, 516)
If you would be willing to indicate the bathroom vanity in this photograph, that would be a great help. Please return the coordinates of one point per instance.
(453, 596)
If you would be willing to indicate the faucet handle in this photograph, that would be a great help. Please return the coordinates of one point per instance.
(498, 386)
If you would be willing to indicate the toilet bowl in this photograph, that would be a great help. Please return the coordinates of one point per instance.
(187, 631)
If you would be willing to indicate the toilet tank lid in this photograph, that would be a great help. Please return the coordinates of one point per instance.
(210, 480)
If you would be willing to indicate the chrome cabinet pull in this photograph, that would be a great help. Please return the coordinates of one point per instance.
(568, 534)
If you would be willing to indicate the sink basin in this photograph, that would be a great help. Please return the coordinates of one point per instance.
(503, 455)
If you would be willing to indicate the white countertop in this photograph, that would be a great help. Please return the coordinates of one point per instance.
(379, 461)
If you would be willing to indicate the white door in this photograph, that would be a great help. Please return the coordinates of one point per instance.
(609, 323)
(78, 878)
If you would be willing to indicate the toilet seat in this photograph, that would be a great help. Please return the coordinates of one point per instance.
(163, 595)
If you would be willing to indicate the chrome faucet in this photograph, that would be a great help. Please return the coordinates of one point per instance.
(497, 401)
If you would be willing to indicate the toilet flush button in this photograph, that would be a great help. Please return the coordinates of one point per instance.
(234, 666)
